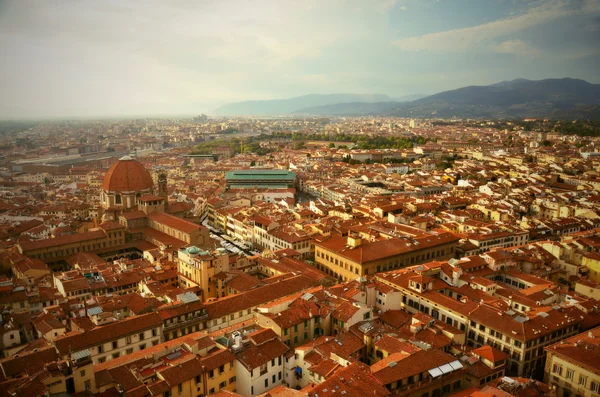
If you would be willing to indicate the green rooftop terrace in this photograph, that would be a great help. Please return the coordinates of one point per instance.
(241, 176)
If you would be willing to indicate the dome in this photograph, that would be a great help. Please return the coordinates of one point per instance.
(127, 175)
(193, 250)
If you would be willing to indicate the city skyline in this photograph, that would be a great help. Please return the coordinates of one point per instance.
(86, 59)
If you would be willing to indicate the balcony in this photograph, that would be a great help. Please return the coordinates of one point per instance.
(412, 387)
(179, 324)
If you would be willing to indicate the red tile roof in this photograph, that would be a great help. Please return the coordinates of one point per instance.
(127, 176)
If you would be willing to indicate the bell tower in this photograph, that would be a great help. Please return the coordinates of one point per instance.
(162, 188)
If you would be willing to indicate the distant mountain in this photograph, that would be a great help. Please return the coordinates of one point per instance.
(349, 109)
(559, 98)
(288, 106)
(510, 99)
(508, 83)
(408, 98)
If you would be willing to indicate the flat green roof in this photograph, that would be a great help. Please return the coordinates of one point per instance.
(258, 185)
(257, 175)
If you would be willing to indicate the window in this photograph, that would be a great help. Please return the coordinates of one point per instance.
(557, 369)
(87, 384)
(267, 382)
(115, 344)
(232, 379)
(100, 349)
(456, 385)
(582, 380)
(570, 374)
(222, 385)
(595, 386)
(211, 374)
(82, 373)
(179, 388)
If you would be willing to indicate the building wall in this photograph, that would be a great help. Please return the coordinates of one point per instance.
(125, 345)
(255, 382)
(346, 269)
(567, 377)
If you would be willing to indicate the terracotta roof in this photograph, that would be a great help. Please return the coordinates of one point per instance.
(582, 349)
(77, 341)
(351, 381)
(253, 356)
(174, 222)
(127, 176)
(413, 364)
(490, 353)
(372, 251)
(62, 240)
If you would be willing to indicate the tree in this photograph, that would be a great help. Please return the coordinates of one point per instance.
(546, 143)
(331, 145)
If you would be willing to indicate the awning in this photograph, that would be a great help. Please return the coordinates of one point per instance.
(434, 372)
(81, 354)
(298, 371)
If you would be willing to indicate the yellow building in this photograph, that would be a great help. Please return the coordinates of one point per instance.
(198, 268)
(591, 260)
(189, 366)
(352, 257)
(573, 365)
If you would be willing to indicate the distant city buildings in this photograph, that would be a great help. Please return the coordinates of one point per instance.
(299, 257)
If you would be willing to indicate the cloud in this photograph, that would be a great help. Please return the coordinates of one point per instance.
(516, 47)
(480, 36)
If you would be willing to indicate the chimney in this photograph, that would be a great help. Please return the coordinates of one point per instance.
(354, 240)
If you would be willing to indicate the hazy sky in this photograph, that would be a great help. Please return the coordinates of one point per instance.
(124, 57)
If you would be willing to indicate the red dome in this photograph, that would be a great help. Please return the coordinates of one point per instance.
(127, 175)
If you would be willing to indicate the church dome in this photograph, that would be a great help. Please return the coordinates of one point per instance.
(127, 175)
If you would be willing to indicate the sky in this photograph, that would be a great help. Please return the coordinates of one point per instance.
(90, 58)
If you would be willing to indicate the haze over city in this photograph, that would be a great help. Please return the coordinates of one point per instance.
(119, 58)
(300, 198)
